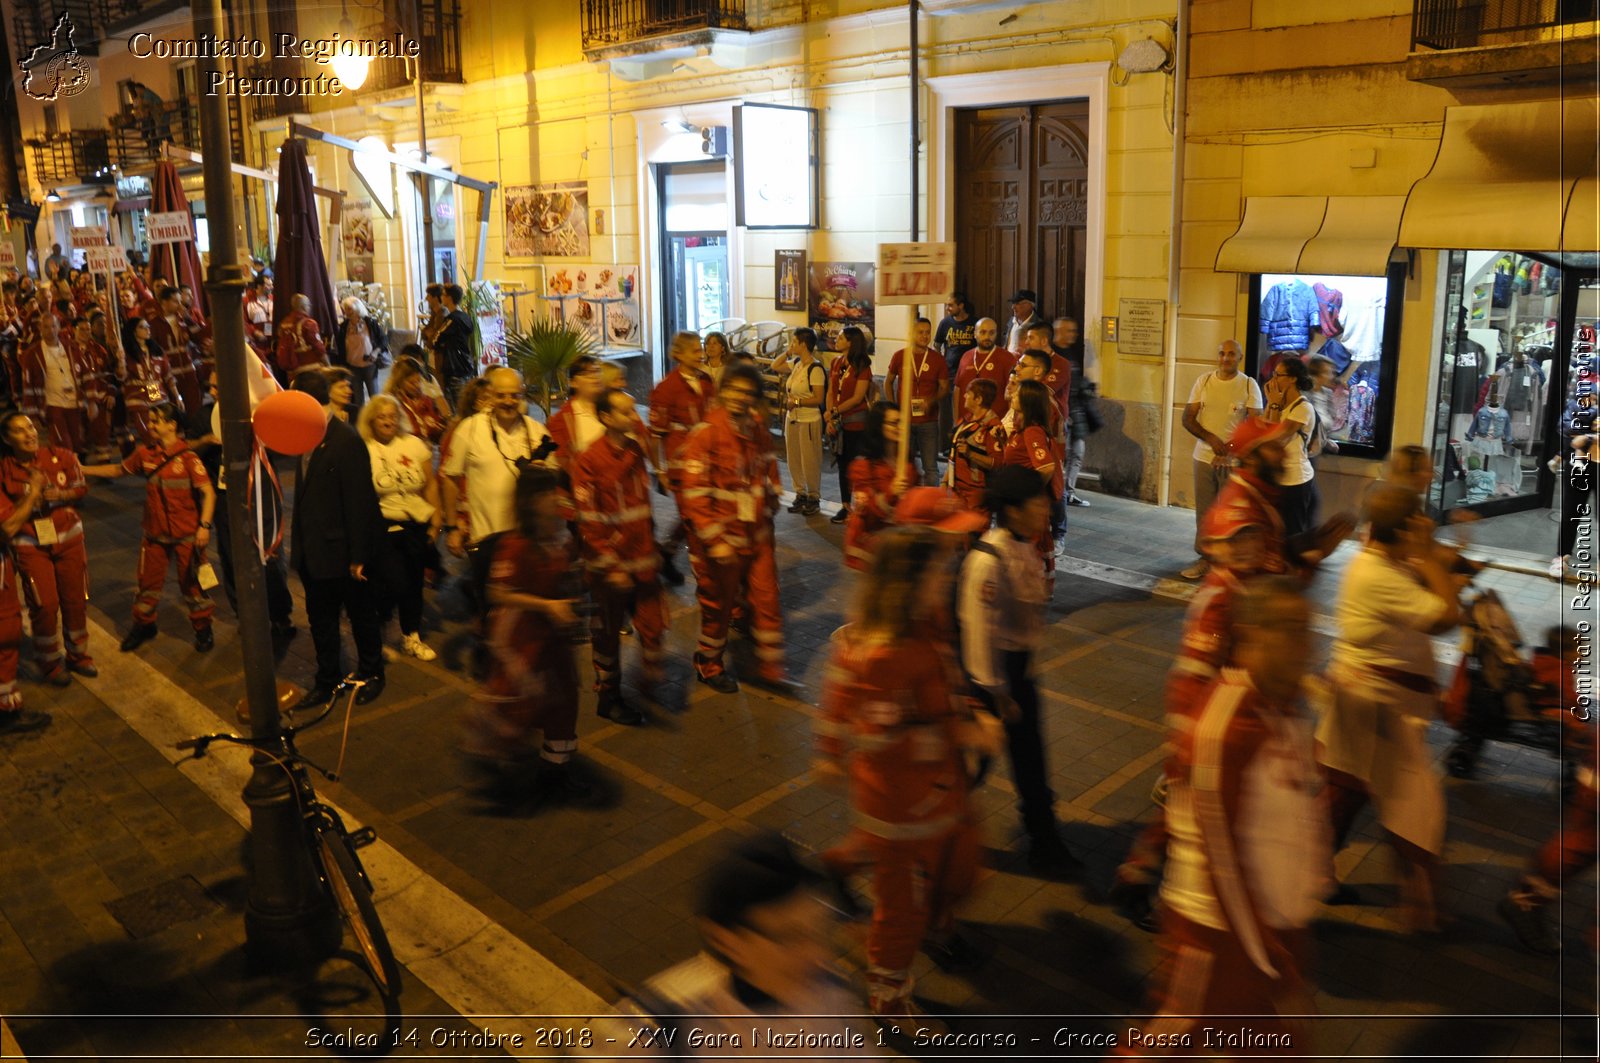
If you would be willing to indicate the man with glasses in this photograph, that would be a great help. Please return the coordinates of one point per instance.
(729, 497)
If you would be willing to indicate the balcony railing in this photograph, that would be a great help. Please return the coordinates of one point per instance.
(136, 139)
(119, 15)
(1449, 24)
(610, 22)
(439, 39)
(74, 157)
(34, 23)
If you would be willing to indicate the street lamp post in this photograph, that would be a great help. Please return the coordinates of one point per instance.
(287, 918)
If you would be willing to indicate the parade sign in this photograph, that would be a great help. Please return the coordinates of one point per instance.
(170, 227)
(105, 259)
(915, 274)
(8, 254)
(87, 236)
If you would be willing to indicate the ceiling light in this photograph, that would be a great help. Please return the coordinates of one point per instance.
(53, 197)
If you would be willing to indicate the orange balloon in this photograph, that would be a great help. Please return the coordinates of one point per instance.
(290, 422)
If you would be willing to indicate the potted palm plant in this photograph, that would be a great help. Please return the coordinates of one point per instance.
(542, 353)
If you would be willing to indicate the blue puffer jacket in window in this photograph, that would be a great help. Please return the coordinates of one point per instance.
(1288, 314)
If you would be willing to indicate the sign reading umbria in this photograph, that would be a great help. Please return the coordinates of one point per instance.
(320, 50)
(169, 227)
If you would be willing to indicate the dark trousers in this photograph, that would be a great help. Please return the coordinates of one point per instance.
(1297, 505)
(401, 564)
(280, 605)
(325, 599)
(363, 385)
(850, 448)
(1025, 744)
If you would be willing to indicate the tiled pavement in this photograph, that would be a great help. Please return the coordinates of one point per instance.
(94, 814)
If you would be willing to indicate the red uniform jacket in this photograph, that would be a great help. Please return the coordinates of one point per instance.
(872, 499)
(930, 373)
(426, 420)
(1245, 500)
(30, 367)
(967, 479)
(173, 479)
(62, 476)
(611, 492)
(1034, 448)
(675, 409)
(1059, 381)
(182, 355)
(730, 483)
(842, 383)
(299, 343)
(889, 716)
(995, 366)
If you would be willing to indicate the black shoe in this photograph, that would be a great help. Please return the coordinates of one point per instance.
(20, 721)
(1531, 924)
(670, 572)
(370, 689)
(616, 710)
(58, 676)
(1048, 855)
(316, 697)
(955, 954)
(1344, 894)
(722, 682)
(204, 640)
(813, 507)
(560, 784)
(841, 516)
(798, 505)
(141, 634)
(1135, 904)
(84, 666)
(284, 632)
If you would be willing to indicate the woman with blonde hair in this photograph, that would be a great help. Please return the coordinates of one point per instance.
(408, 496)
(893, 726)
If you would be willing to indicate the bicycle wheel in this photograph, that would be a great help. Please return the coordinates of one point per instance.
(354, 898)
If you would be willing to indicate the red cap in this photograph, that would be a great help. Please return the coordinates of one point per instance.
(938, 509)
(1249, 434)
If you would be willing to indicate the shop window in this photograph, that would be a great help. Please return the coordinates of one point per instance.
(1348, 327)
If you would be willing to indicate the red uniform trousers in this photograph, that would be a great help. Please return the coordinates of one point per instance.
(917, 884)
(532, 689)
(722, 586)
(10, 643)
(645, 604)
(1204, 974)
(67, 427)
(1570, 851)
(99, 426)
(155, 555)
(58, 590)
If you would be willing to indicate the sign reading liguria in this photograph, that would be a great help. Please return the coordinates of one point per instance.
(169, 227)
(105, 259)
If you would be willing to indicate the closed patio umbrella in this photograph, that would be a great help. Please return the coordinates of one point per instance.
(299, 267)
(177, 263)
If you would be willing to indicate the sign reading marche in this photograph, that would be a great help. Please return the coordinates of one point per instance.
(1143, 326)
(170, 227)
(913, 274)
(87, 236)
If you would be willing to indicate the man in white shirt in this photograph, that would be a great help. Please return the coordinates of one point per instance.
(1219, 401)
(486, 454)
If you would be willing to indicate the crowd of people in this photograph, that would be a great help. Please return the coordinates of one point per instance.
(929, 680)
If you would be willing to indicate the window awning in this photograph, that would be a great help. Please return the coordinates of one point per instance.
(1274, 231)
(1357, 237)
(1509, 176)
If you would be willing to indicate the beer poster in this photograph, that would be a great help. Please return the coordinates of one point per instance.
(789, 281)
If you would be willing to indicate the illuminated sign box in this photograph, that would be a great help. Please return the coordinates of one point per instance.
(775, 166)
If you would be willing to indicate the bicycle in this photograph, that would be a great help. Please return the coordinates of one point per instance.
(333, 846)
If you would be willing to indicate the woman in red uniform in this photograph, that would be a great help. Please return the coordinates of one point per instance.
(533, 677)
(893, 726)
(148, 382)
(49, 547)
(849, 382)
(875, 486)
(424, 416)
(1030, 444)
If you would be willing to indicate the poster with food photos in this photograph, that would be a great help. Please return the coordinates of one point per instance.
(609, 309)
(547, 221)
(841, 294)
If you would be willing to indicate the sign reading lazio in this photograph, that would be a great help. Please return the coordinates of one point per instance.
(87, 236)
(170, 227)
(913, 274)
(8, 254)
(105, 259)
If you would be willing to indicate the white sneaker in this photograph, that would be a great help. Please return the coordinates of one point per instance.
(415, 647)
(1558, 568)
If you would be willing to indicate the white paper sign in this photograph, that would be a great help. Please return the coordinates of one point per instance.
(87, 236)
(8, 255)
(105, 259)
(170, 227)
(914, 274)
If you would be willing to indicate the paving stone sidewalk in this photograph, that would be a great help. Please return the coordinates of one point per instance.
(96, 815)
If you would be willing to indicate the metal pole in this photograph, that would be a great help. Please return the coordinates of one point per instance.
(287, 916)
(424, 182)
(915, 145)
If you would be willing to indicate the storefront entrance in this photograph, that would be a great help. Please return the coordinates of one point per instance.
(697, 288)
(1518, 360)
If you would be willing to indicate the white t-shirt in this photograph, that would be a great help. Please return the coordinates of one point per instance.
(1296, 460)
(1383, 616)
(802, 378)
(401, 470)
(1224, 404)
(586, 424)
(487, 456)
(357, 343)
(60, 390)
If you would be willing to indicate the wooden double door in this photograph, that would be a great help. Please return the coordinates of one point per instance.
(1022, 206)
